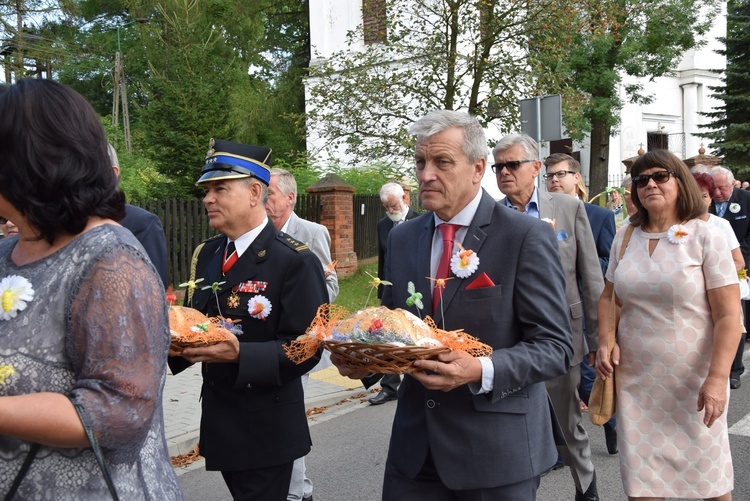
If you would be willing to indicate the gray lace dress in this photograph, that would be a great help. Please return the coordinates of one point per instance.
(95, 330)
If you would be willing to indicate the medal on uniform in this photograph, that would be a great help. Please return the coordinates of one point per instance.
(234, 300)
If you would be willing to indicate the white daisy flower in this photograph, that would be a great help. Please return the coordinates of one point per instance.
(677, 234)
(259, 307)
(16, 292)
(464, 262)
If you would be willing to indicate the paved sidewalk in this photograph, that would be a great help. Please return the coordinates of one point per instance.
(182, 410)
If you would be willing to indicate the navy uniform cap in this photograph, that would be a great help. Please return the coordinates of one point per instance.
(228, 160)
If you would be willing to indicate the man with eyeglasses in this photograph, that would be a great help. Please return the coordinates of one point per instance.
(564, 176)
(733, 204)
(397, 210)
(516, 170)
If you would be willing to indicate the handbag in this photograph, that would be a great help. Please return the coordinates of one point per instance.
(602, 402)
(94, 446)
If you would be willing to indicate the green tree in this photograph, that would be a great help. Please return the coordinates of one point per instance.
(194, 70)
(731, 122)
(199, 54)
(29, 51)
(588, 46)
(437, 54)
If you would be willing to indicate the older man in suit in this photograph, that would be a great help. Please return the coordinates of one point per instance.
(564, 176)
(474, 428)
(394, 199)
(733, 204)
(517, 168)
(282, 197)
(253, 422)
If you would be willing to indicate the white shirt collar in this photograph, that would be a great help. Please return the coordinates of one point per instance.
(465, 215)
(244, 241)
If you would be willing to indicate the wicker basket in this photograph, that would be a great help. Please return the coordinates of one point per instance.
(383, 358)
(181, 319)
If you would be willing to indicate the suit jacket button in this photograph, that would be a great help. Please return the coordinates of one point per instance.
(211, 384)
(249, 385)
(431, 404)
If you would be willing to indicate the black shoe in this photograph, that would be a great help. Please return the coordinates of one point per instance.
(382, 398)
(610, 434)
(557, 466)
(591, 493)
(735, 383)
(308, 498)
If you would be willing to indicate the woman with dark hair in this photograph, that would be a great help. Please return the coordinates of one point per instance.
(678, 331)
(83, 321)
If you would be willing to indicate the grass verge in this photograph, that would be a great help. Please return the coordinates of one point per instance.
(354, 289)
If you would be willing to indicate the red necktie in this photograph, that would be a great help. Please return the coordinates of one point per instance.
(230, 257)
(448, 232)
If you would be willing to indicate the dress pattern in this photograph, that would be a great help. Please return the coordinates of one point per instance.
(95, 331)
(666, 339)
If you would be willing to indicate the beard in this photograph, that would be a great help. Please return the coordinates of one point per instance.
(398, 215)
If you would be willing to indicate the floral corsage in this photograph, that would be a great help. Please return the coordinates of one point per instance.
(6, 371)
(678, 234)
(16, 292)
(464, 262)
(259, 307)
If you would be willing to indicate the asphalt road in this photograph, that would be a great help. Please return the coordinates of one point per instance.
(351, 441)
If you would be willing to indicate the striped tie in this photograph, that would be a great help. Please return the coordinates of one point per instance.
(230, 257)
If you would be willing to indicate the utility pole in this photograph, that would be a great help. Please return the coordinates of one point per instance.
(120, 93)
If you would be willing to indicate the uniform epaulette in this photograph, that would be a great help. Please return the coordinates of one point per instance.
(292, 242)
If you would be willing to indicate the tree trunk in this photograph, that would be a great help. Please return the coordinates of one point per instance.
(599, 160)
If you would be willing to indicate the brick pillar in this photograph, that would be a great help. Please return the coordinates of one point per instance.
(702, 158)
(336, 198)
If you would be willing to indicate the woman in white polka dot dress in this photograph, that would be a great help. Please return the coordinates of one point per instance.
(677, 336)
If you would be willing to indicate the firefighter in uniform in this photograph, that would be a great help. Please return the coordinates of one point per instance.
(253, 422)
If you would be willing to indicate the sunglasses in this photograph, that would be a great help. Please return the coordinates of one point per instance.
(659, 177)
(512, 165)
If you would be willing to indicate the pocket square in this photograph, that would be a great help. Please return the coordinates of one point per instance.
(482, 280)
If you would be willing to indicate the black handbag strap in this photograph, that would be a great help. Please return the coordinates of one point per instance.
(22, 472)
(97, 451)
(94, 446)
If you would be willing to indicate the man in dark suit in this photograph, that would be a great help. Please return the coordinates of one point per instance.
(397, 210)
(516, 168)
(564, 176)
(146, 227)
(733, 204)
(474, 428)
(253, 422)
(282, 197)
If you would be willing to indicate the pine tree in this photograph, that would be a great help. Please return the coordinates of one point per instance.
(731, 122)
